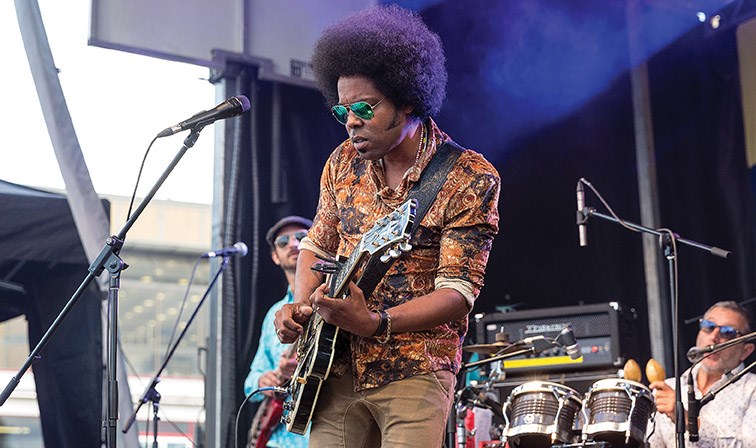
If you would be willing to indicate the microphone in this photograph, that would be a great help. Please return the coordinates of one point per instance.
(696, 354)
(238, 248)
(236, 105)
(694, 407)
(566, 339)
(539, 343)
(582, 230)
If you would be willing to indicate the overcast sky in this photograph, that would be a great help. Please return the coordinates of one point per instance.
(118, 102)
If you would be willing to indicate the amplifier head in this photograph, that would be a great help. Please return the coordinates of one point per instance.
(603, 332)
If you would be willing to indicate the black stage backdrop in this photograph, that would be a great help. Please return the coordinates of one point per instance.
(268, 191)
(542, 89)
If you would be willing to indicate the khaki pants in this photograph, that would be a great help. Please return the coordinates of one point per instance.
(407, 413)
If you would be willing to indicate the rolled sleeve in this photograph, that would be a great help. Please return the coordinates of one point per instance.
(472, 221)
(463, 287)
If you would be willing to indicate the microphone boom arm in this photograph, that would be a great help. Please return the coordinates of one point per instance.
(733, 379)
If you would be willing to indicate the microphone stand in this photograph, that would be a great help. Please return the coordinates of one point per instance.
(507, 355)
(107, 259)
(668, 246)
(713, 393)
(701, 353)
(150, 393)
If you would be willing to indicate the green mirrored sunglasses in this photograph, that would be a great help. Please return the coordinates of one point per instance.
(361, 109)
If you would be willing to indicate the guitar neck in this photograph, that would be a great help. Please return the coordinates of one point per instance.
(338, 282)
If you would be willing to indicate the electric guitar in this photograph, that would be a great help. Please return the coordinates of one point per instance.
(370, 260)
(268, 415)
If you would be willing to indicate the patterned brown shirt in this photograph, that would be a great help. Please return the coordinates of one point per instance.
(451, 245)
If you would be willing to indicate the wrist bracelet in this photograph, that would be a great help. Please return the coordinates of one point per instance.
(386, 338)
(382, 324)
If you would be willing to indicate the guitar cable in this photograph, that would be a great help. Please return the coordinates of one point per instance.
(278, 390)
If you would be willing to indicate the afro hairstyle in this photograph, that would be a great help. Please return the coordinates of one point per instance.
(391, 46)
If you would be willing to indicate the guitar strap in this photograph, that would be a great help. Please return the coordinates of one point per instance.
(425, 192)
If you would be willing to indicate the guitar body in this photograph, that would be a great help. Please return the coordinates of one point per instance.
(381, 245)
(306, 385)
(267, 417)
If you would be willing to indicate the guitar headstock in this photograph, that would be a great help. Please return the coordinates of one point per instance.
(390, 234)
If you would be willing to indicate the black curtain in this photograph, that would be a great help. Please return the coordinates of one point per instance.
(704, 186)
(307, 133)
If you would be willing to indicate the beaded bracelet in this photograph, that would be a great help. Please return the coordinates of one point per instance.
(386, 338)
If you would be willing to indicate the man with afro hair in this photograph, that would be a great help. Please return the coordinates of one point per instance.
(382, 72)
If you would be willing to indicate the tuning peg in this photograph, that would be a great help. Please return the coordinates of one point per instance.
(394, 253)
(385, 258)
(405, 247)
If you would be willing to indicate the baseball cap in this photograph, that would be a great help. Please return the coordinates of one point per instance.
(283, 222)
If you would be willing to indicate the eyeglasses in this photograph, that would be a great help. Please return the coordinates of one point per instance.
(362, 109)
(283, 240)
(726, 331)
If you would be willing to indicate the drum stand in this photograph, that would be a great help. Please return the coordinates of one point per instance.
(455, 426)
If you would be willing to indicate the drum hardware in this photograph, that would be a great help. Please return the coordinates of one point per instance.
(527, 346)
(487, 349)
(525, 426)
(590, 444)
(500, 343)
(472, 396)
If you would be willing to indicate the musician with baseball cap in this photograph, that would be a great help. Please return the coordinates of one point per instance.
(275, 362)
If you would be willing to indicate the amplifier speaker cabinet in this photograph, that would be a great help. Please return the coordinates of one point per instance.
(605, 334)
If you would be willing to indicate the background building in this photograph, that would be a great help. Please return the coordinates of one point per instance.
(162, 251)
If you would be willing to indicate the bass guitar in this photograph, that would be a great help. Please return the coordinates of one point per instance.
(386, 241)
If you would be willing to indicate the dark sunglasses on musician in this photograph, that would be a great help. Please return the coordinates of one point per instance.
(727, 332)
(361, 109)
(283, 240)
